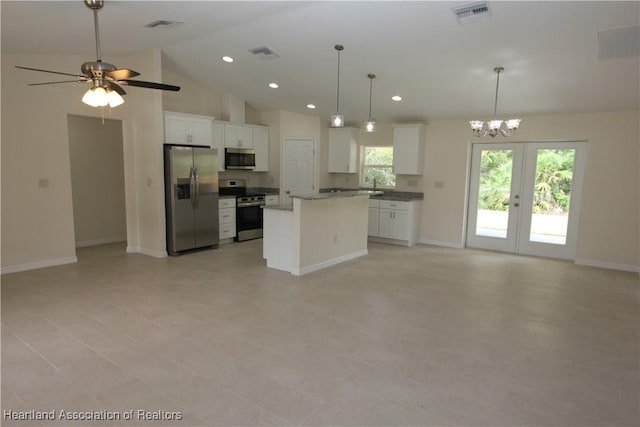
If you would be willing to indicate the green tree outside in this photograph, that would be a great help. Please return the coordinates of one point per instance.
(552, 191)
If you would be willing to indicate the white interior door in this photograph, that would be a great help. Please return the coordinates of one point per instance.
(299, 167)
(526, 197)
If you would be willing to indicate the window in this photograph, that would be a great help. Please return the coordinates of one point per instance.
(377, 164)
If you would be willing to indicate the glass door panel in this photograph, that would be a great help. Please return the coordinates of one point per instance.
(494, 193)
(552, 193)
(494, 196)
(551, 196)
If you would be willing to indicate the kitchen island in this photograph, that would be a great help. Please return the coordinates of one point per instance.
(316, 231)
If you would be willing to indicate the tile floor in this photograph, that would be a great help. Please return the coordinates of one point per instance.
(420, 336)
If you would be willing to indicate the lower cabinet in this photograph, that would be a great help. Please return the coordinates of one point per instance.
(271, 199)
(227, 219)
(394, 222)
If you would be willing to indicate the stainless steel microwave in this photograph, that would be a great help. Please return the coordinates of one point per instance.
(239, 158)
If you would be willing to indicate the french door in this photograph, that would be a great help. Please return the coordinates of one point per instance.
(525, 197)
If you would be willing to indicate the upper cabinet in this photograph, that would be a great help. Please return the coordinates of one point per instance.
(217, 142)
(343, 150)
(226, 135)
(261, 146)
(408, 149)
(187, 129)
(238, 136)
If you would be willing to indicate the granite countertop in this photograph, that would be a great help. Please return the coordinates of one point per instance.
(399, 197)
(382, 194)
(336, 194)
(279, 207)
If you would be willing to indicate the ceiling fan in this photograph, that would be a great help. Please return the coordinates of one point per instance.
(106, 80)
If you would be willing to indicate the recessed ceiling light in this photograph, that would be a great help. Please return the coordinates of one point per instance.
(396, 98)
(227, 59)
(273, 85)
(311, 106)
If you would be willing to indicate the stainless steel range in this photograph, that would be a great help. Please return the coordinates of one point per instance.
(248, 208)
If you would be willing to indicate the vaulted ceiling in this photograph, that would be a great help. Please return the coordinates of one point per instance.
(417, 49)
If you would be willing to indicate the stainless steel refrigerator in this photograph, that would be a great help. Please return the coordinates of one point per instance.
(191, 198)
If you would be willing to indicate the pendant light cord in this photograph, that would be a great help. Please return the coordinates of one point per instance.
(370, 92)
(338, 90)
(495, 105)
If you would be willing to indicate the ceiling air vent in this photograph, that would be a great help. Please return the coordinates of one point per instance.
(471, 12)
(619, 43)
(264, 53)
(163, 23)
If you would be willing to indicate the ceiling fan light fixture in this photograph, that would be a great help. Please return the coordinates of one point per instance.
(114, 99)
(96, 97)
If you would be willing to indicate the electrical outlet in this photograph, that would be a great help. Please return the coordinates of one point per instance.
(439, 184)
(148, 182)
(412, 183)
(43, 183)
(335, 238)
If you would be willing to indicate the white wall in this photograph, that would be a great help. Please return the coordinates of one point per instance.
(97, 180)
(37, 223)
(610, 217)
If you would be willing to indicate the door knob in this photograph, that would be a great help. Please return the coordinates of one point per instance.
(516, 204)
(288, 192)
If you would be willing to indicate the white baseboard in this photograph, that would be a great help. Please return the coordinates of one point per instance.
(103, 241)
(145, 251)
(38, 264)
(608, 265)
(439, 243)
(329, 263)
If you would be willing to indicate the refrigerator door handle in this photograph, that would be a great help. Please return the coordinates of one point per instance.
(197, 187)
(192, 181)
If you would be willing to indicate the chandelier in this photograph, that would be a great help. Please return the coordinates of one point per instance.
(494, 127)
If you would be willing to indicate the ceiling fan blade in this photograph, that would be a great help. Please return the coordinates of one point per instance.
(117, 88)
(49, 71)
(149, 85)
(53, 83)
(122, 74)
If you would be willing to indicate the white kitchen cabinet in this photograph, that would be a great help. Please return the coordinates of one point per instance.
(238, 136)
(217, 142)
(271, 199)
(394, 222)
(187, 129)
(408, 149)
(261, 145)
(227, 219)
(343, 150)
(374, 217)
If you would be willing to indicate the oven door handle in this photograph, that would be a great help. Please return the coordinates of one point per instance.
(250, 204)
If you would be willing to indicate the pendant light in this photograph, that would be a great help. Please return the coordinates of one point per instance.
(337, 120)
(495, 126)
(370, 125)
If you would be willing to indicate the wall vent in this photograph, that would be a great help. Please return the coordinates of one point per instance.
(471, 12)
(264, 53)
(163, 23)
